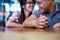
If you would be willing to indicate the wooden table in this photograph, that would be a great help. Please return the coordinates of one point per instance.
(28, 34)
(26, 30)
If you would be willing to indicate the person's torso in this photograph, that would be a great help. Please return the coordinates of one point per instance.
(52, 19)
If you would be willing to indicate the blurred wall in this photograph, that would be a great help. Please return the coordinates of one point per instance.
(1, 6)
(57, 0)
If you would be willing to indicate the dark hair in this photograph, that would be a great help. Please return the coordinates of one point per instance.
(52, 0)
(22, 16)
(23, 2)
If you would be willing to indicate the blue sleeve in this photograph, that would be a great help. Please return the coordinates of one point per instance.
(36, 13)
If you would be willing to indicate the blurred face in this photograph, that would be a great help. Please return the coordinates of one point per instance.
(43, 5)
(29, 5)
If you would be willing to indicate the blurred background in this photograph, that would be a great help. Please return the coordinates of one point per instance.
(7, 7)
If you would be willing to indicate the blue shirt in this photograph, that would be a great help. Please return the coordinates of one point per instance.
(52, 19)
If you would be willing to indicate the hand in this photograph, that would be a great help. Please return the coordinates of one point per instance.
(43, 21)
(56, 27)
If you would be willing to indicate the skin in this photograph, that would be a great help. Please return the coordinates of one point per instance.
(27, 9)
(56, 27)
(42, 21)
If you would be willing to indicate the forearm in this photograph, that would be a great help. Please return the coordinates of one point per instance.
(28, 24)
(12, 24)
(31, 23)
(28, 21)
(57, 25)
